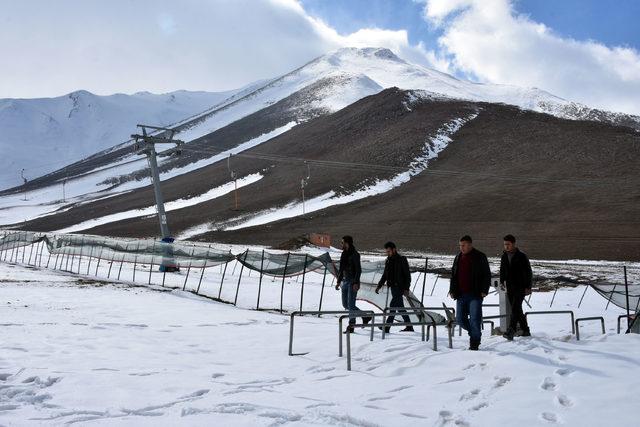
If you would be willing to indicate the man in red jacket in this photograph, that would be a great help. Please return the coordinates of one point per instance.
(470, 282)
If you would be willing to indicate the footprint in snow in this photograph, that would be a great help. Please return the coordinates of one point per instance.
(479, 406)
(501, 381)
(564, 401)
(549, 417)
(548, 384)
(563, 372)
(470, 395)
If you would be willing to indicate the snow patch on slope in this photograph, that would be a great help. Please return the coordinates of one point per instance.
(431, 149)
(214, 193)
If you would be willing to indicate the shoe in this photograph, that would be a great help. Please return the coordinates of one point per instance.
(474, 345)
(366, 320)
(386, 329)
(508, 335)
(350, 329)
(408, 329)
(526, 333)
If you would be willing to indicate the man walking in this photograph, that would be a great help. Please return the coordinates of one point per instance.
(515, 273)
(349, 279)
(398, 277)
(470, 282)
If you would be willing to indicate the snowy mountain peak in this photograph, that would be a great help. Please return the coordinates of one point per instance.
(366, 52)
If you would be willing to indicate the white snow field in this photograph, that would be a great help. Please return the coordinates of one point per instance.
(78, 351)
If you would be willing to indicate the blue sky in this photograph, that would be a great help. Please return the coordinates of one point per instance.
(581, 50)
(612, 22)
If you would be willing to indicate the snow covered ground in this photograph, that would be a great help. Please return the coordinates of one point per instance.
(78, 350)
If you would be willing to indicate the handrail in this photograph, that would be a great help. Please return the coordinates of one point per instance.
(624, 316)
(383, 325)
(314, 313)
(570, 312)
(584, 319)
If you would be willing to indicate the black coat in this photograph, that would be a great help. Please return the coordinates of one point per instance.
(396, 273)
(480, 275)
(517, 274)
(350, 266)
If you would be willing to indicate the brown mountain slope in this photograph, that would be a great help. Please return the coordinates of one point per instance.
(567, 189)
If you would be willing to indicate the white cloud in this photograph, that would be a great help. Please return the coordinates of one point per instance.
(487, 39)
(51, 48)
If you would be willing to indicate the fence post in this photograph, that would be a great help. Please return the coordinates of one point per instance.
(13, 246)
(188, 268)
(611, 296)
(31, 252)
(304, 273)
(434, 284)
(260, 281)
(3, 251)
(284, 274)
(553, 297)
(80, 255)
(424, 279)
(153, 252)
(224, 272)
(626, 292)
(202, 273)
(235, 301)
(90, 256)
(126, 250)
(113, 257)
(135, 261)
(586, 288)
(40, 255)
(23, 248)
(324, 278)
(99, 257)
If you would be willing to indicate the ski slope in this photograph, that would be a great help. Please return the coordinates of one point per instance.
(98, 353)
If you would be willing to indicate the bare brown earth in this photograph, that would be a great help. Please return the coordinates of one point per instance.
(566, 189)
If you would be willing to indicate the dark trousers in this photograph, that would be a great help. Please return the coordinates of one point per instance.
(517, 315)
(397, 300)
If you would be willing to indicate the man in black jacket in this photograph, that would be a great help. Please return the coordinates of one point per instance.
(349, 279)
(398, 277)
(516, 274)
(470, 282)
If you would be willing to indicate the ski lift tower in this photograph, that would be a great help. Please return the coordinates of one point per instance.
(146, 144)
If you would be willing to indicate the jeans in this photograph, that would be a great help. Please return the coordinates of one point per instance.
(349, 298)
(397, 300)
(517, 316)
(469, 316)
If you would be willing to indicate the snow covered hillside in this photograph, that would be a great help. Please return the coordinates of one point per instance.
(42, 135)
(85, 352)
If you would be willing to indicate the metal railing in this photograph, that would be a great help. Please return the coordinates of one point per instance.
(584, 319)
(570, 312)
(319, 313)
(384, 325)
(625, 316)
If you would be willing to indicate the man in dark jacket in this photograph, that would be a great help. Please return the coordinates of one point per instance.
(349, 279)
(515, 273)
(398, 277)
(470, 282)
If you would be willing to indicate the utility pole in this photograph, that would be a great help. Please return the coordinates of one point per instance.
(234, 177)
(145, 144)
(25, 184)
(303, 184)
